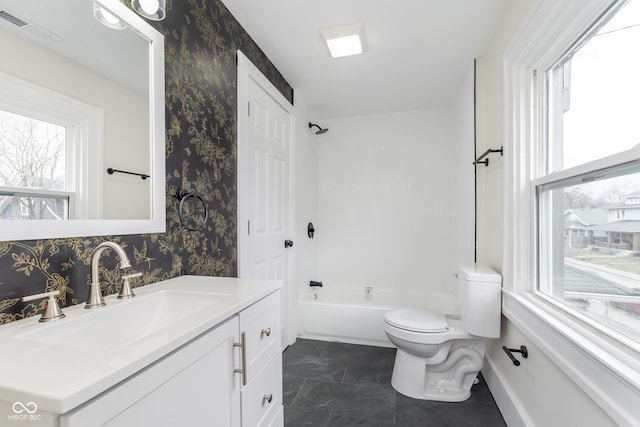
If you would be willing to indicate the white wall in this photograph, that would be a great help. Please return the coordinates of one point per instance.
(126, 120)
(538, 392)
(387, 201)
(464, 170)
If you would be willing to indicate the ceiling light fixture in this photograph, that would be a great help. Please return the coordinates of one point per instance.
(154, 10)
(344, 41)
(107, 18)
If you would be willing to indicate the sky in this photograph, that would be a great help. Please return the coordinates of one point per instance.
(604, 117)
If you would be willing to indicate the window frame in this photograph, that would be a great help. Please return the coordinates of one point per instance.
(41, 192)
(85, 127)
(607, 369)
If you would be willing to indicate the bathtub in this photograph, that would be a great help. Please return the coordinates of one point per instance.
(356, 314)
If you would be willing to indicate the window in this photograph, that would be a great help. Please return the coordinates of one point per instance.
(36, 181)
(587, 176)
(50, 145)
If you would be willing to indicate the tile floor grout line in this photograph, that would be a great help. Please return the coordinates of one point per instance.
(297, 392)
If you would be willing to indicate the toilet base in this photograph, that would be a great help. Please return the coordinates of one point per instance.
(449, 381)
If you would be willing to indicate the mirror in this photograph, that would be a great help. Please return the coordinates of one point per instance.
(102, 89)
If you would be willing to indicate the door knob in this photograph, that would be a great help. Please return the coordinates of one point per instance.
(288, 243)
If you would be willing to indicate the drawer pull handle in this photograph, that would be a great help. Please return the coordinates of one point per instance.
(266, 332)
(243, 349)
(267, 398)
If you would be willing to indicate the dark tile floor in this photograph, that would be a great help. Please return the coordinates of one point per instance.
(336, 384)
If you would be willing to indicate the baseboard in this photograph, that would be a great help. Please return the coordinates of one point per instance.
(510, 407)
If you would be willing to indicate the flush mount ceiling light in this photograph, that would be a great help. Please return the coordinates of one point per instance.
(107, 18)
(154, 10)
(344, 41)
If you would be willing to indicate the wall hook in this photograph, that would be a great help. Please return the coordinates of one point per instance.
(510, 351)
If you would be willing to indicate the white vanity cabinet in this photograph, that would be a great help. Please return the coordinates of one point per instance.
(230, 375)
(194, 386)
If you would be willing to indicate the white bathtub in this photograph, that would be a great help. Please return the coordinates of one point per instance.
(349, 314)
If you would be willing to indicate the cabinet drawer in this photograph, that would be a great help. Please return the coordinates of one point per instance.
(262, 396)
(261, 326)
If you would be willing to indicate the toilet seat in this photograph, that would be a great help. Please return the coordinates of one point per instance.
(416, 320)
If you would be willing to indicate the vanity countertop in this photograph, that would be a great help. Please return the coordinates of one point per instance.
(58, 372)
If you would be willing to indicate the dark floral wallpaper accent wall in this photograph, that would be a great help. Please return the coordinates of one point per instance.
(201, 40)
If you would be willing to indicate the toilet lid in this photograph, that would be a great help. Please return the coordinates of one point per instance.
(417, 320)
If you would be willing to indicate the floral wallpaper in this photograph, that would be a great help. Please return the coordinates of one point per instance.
(201, 40)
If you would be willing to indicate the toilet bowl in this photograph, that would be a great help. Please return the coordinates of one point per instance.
(439, 356)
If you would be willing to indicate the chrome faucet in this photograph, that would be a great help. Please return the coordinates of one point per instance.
(95, 299)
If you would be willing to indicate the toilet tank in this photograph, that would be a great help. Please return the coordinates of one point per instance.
(480, 297)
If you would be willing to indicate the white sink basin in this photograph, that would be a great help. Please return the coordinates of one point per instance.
(123, 322)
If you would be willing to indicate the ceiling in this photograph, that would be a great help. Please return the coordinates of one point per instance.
(418, 51)
(71, 31)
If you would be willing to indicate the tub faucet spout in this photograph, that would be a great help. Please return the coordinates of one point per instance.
(316, 284)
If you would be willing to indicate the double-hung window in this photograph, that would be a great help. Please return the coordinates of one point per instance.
(48, 142)
(586, 168)
(571, 242)
(36, 176)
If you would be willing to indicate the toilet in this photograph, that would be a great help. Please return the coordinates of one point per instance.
(439, 356)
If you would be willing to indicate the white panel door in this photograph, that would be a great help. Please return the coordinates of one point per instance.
(265, 132)
(268, 203)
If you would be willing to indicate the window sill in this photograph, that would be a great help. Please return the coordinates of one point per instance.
(607, 372)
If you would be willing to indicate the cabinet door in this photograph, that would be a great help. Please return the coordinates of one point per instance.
(194, 386)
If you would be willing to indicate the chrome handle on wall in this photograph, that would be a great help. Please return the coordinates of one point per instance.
(266, 332)
(267, 398)
(243, 349)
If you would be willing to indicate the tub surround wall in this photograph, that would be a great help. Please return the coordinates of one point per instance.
(201, 40)
(464, 170)
(386, 201)
(305, 195)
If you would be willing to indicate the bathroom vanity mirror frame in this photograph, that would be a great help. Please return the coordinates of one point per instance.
(42, 229)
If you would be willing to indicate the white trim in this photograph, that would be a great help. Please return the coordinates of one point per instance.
(607, 371)
(628, 156)
(246, 71)
(27, 230)
(512, 409)
(608, 374)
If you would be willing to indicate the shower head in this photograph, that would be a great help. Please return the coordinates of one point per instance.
(320, 130)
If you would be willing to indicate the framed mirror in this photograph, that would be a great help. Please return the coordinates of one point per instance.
(82, 129)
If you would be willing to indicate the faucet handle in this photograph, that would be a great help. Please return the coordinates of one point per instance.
(52, 310)
(125, 290)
